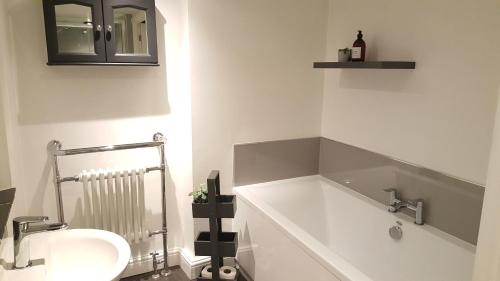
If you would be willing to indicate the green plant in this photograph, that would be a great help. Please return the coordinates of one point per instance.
(200, 195)
(345, 50)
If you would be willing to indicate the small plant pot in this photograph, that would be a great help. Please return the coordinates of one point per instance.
(227, 244)
(344, 55)
(225, 206)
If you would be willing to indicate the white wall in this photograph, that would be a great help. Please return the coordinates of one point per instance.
(487, 266)
(88, 106)
(241, 71)
(252, 76)
(4, 69)
(439, 115)
(4, 156)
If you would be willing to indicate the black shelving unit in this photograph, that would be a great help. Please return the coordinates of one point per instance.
(216, 243)
(367, 64)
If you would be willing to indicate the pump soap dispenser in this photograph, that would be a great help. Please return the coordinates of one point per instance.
(358, 48)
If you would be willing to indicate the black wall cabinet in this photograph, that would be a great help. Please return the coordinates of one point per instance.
(102, 32)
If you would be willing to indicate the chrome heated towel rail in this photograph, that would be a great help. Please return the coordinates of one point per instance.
(158, 141)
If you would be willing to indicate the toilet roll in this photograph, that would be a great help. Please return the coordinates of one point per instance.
(207, 272)
(228, 273)
(225, 272)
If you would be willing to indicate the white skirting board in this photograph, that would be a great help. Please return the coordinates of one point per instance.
(191, 265)
(145, 263)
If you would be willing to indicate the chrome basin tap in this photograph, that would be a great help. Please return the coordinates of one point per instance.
(396, 204)
(25, 226)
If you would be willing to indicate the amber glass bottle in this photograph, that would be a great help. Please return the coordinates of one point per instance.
(358, 48)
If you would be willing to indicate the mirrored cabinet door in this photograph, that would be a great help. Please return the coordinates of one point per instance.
(74, 31)
(130, 31)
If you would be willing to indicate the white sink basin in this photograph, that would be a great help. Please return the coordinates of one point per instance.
(77, 254)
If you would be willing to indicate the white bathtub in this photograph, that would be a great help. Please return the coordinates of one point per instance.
(311, 228)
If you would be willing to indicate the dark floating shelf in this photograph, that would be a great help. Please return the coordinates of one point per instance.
(367, 64)
(105, 63)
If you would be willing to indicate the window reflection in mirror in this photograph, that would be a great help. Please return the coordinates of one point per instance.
(75, 29)
(130, 29)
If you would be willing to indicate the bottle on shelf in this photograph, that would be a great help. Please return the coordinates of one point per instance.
(358, 48)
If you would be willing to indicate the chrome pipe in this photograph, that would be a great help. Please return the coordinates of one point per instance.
(56, 146)
(158, 138)
(106, 148)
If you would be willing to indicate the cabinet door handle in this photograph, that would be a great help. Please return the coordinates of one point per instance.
(98, 30)
(109, 29)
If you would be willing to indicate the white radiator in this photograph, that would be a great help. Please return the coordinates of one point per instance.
(114, 201)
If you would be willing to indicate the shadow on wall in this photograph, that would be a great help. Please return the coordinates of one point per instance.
(399, 81)
(54, 94)
(45, 181)
(173, 208)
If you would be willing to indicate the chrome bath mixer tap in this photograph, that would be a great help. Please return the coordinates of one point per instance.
(396, 204)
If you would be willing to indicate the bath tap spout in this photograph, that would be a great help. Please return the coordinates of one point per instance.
(396, 204)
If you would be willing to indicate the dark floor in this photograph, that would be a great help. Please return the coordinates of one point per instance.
(177, 275)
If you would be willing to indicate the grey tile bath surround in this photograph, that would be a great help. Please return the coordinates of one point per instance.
(275, 160)
(6, 200)
(451, 204)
